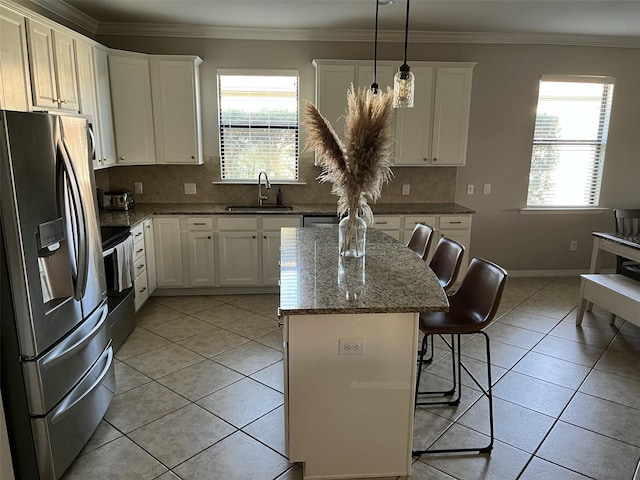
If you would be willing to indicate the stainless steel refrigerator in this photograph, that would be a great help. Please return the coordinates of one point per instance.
(56, 370)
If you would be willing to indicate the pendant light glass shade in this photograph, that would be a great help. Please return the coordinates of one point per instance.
(403, 81)
(403, 87)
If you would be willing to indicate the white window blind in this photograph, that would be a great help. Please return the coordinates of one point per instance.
(569, 141)
(258, 114)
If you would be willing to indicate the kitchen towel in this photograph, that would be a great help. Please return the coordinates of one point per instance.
(123, 264)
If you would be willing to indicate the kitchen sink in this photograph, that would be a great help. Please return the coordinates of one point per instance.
(258, 208)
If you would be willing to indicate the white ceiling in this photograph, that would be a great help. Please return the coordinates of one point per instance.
(594, 18)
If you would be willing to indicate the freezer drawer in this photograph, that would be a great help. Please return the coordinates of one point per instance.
(62, 434)
(53, 375)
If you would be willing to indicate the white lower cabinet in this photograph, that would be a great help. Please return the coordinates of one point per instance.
(238, 251)
(271, 246)
(150, 251)
(168, 246)
(201, 252)
(238, 254)
(389, 224)
(219, 251)
(140, 284)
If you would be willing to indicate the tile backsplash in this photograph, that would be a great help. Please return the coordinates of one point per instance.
(165, 184)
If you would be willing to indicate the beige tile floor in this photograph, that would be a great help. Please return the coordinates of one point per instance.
(200, 396)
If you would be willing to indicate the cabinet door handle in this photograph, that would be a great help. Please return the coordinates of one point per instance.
(253, 236)
(139, 250)
(425, 159)
(138, 234)
(265, 237)
(209, 237)
(457, 221)
(435, 159)
(149, 226)
(382, 223)
(199, 223)
(141, 266)
(142, 289)
(193, 157)
(121, 158)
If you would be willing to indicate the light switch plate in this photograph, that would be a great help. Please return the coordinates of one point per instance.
(405, 189)
(137, 187)
(487, 189)
(469, 189)
(189, 188)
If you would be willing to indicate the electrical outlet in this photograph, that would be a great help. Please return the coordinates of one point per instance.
(405, 189)
(189, 188)
(573, 246)
(137, 187)
(487, 189)
(469, 189)
(351, 346)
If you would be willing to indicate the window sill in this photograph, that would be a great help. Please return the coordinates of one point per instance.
(254, 182)
(562, 210)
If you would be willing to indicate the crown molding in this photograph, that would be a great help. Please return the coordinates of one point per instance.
(69, 13)
(89, 24)
(291, 34)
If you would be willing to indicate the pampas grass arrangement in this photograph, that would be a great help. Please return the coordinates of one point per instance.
(358, 168)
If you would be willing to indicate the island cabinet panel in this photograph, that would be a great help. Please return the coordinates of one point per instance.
(350, 352)
(337, 405)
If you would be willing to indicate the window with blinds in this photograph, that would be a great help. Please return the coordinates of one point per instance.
(569, 141)
(258, 114)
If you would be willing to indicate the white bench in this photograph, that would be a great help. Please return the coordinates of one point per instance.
(618, 294)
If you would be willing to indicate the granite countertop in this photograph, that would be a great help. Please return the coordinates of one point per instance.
(142, 211)
(390, 278)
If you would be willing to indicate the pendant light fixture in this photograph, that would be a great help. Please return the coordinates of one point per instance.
(375, 89)
(403, 81)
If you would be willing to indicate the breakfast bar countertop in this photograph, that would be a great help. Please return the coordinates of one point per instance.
(144, 210)
(390, 278)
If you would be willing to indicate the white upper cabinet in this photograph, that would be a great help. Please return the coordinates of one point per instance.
(332, 84)
(87, 90)
(15, 87)
(53, 68)
(433, 132)
(452, 103)
(130, 82)
(104, 119)
(413, 125)
(175, 87)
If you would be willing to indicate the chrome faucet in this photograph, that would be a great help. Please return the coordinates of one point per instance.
(262, 197)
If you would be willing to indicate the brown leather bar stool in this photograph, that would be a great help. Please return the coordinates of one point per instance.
(471, 309)
(445, 263)
(420, 240)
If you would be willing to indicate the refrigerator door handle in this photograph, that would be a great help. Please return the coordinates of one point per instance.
(83, 233)
(64, 351)
(67, 406)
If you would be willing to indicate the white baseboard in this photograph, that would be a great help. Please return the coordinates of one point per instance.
(552, 273)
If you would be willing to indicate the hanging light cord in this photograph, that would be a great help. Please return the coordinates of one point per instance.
(406, 33)
(375, 50)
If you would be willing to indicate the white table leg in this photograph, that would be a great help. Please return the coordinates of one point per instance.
(596, 264)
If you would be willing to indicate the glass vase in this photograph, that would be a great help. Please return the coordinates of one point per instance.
(352, 236)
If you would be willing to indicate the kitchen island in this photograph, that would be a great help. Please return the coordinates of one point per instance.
(350, 342)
